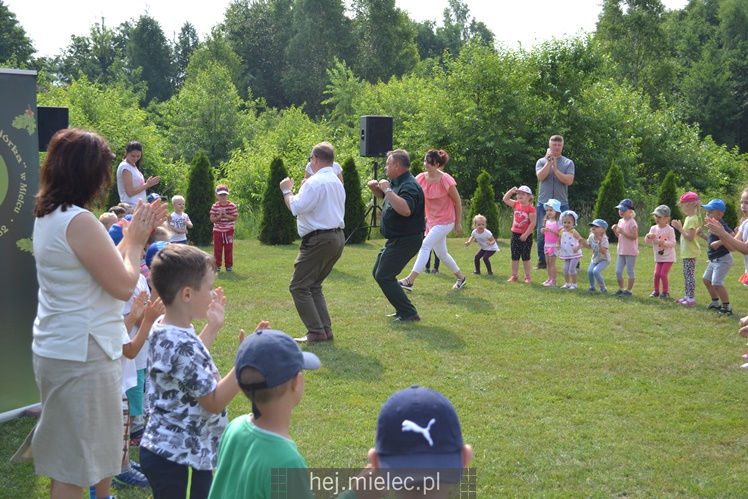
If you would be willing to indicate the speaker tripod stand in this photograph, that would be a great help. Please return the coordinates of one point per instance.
(371, 211)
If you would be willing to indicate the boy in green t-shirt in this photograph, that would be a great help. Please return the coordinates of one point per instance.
(256, 449)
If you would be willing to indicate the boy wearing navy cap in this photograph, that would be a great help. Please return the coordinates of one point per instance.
(269, 368)
(720, 260)
(419, 444)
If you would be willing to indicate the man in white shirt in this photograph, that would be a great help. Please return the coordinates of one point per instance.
(319, 208)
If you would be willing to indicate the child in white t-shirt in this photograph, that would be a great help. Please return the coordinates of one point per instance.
(485, 240)
(179, 221)
(185, 391)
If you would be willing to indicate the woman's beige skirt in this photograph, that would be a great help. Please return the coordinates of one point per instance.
(78, 438)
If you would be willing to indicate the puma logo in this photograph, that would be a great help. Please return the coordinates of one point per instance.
(411, 426)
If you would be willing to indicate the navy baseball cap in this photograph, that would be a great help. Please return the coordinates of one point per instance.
(275, 354)
(625, 205)
(715, 204)
(418, 428)
(599, 222)
(153, 196)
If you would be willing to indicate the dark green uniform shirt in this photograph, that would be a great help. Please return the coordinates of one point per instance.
(392, 224)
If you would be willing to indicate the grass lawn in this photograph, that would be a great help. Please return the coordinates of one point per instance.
(561, 393)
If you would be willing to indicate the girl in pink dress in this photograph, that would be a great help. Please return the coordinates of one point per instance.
(551, 228)
(443, 213)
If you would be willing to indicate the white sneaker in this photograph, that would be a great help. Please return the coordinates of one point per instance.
(745, 366)
(566, 286)
(573, 286)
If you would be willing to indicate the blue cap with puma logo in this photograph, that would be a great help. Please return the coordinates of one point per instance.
(419, 428)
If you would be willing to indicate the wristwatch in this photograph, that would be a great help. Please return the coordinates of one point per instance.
(287, 191)
(389, 189)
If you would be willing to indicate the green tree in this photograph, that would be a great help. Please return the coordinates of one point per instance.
(148, 48)
(200, 199)
(428, 43)
(99, 56)
(668, 196)
(343, 89)
(13, 40)
(708, 40)
(386, 40)
(354, 205)
(632, 32)
(321, 33)
(278, 225)
(259, 32)
(459, 28)
(206, 115)
(480, 88)
(611, 192)
(484, 203)
(216, 50)
(185, 44)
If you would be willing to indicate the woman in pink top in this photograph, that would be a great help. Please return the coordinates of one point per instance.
(443, 213)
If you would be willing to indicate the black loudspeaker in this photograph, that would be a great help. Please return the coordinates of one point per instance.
(51, 120)
(376, 135)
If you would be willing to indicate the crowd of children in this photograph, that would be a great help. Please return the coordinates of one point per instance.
(563, 242)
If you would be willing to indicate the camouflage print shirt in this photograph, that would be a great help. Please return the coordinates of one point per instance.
(180, 370)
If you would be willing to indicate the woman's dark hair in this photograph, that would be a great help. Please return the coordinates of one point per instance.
(438, 158)
(76, 171)
(134, 145)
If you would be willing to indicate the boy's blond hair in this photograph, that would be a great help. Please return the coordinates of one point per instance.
(160, 233)
(176, 198)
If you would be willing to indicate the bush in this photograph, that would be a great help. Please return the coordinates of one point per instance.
(200, 197)
(484, 203)
(669, 196)
(611, 192)
(278, 225)
(354, 205)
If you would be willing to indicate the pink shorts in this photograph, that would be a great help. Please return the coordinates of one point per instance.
(550, 250)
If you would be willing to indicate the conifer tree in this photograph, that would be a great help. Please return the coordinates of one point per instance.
(200, 197)
(611, 192)
(484, 203)
(278, 225)
(669, 197)
(354, 205)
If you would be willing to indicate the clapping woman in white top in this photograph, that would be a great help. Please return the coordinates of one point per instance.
(78, 332)
(131, 185)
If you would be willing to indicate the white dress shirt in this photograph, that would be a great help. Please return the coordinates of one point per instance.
(320, 203)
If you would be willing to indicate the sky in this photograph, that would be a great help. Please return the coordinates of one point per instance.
(525, 22)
